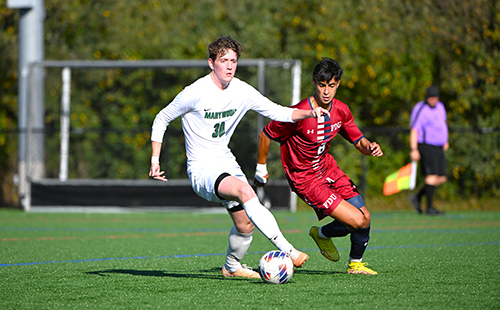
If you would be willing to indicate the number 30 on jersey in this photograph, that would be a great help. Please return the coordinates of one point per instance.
(220, 130)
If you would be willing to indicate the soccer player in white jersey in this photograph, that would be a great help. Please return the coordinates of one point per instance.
(210, 109)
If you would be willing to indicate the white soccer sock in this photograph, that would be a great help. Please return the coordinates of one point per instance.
(264, 220)
(238, 247)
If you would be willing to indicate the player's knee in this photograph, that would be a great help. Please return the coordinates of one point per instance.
(246, 193)
(357, 223)
(367, 219)
(431, 179)
(362, 220)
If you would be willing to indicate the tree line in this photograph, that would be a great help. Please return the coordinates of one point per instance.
(391, 51)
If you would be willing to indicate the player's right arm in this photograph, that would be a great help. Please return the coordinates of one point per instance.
(181, 104)
(415, 126)
(154, 170)
(414, 153)
(261, 174)
(162, 119)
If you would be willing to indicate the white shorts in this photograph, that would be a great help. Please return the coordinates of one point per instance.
(203, 180)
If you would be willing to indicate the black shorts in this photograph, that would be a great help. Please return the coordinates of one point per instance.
(432, 159)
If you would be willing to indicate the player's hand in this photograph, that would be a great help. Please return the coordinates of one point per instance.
(446, 146)
(318, 111)
(261, 175)
(414, 155)
(375, 149)
(155, 172)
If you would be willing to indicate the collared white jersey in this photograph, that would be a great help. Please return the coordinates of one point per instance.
(210, 116)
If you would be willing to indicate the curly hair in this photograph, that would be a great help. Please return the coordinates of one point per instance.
(221, 45)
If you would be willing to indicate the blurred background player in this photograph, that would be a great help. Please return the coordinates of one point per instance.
(314, 174)
(428, 144)
(211, 108)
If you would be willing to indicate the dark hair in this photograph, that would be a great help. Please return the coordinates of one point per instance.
(327, 69)
(221, 45)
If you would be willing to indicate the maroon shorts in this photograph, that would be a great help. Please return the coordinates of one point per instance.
(325, 194)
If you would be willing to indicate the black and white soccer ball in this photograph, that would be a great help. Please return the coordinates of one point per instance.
(276, 267)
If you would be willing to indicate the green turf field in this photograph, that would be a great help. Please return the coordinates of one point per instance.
(173, 261)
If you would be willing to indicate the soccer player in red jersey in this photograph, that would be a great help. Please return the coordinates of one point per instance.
(313, 173)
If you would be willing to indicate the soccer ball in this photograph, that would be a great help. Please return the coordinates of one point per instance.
(276, 267)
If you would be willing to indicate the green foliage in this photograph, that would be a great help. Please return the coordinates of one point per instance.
(390, 51)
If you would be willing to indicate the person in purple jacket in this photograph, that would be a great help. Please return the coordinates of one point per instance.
(428, 144)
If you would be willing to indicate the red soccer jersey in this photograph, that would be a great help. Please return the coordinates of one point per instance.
(305, 143)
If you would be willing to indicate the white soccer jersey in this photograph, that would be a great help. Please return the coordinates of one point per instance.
(210, 116)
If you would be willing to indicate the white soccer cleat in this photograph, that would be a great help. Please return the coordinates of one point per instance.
(243, 272)
(300, 260)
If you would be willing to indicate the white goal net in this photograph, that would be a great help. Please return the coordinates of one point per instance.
(87, 141)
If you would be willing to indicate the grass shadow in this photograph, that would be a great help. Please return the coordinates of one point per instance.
(317, 272)
(212, 274)
(201, 274)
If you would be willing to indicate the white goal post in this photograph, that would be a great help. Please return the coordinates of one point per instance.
(31, 161)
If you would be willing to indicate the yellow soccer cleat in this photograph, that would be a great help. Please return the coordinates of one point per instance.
(359, 267)
(243, 272)
(326, 246)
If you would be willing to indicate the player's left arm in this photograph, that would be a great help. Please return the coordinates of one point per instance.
(351, 133)
(369, 148)
(261, 174)
(299, 114)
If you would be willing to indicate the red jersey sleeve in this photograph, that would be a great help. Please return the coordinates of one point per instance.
(280, 131)
(349, 130)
